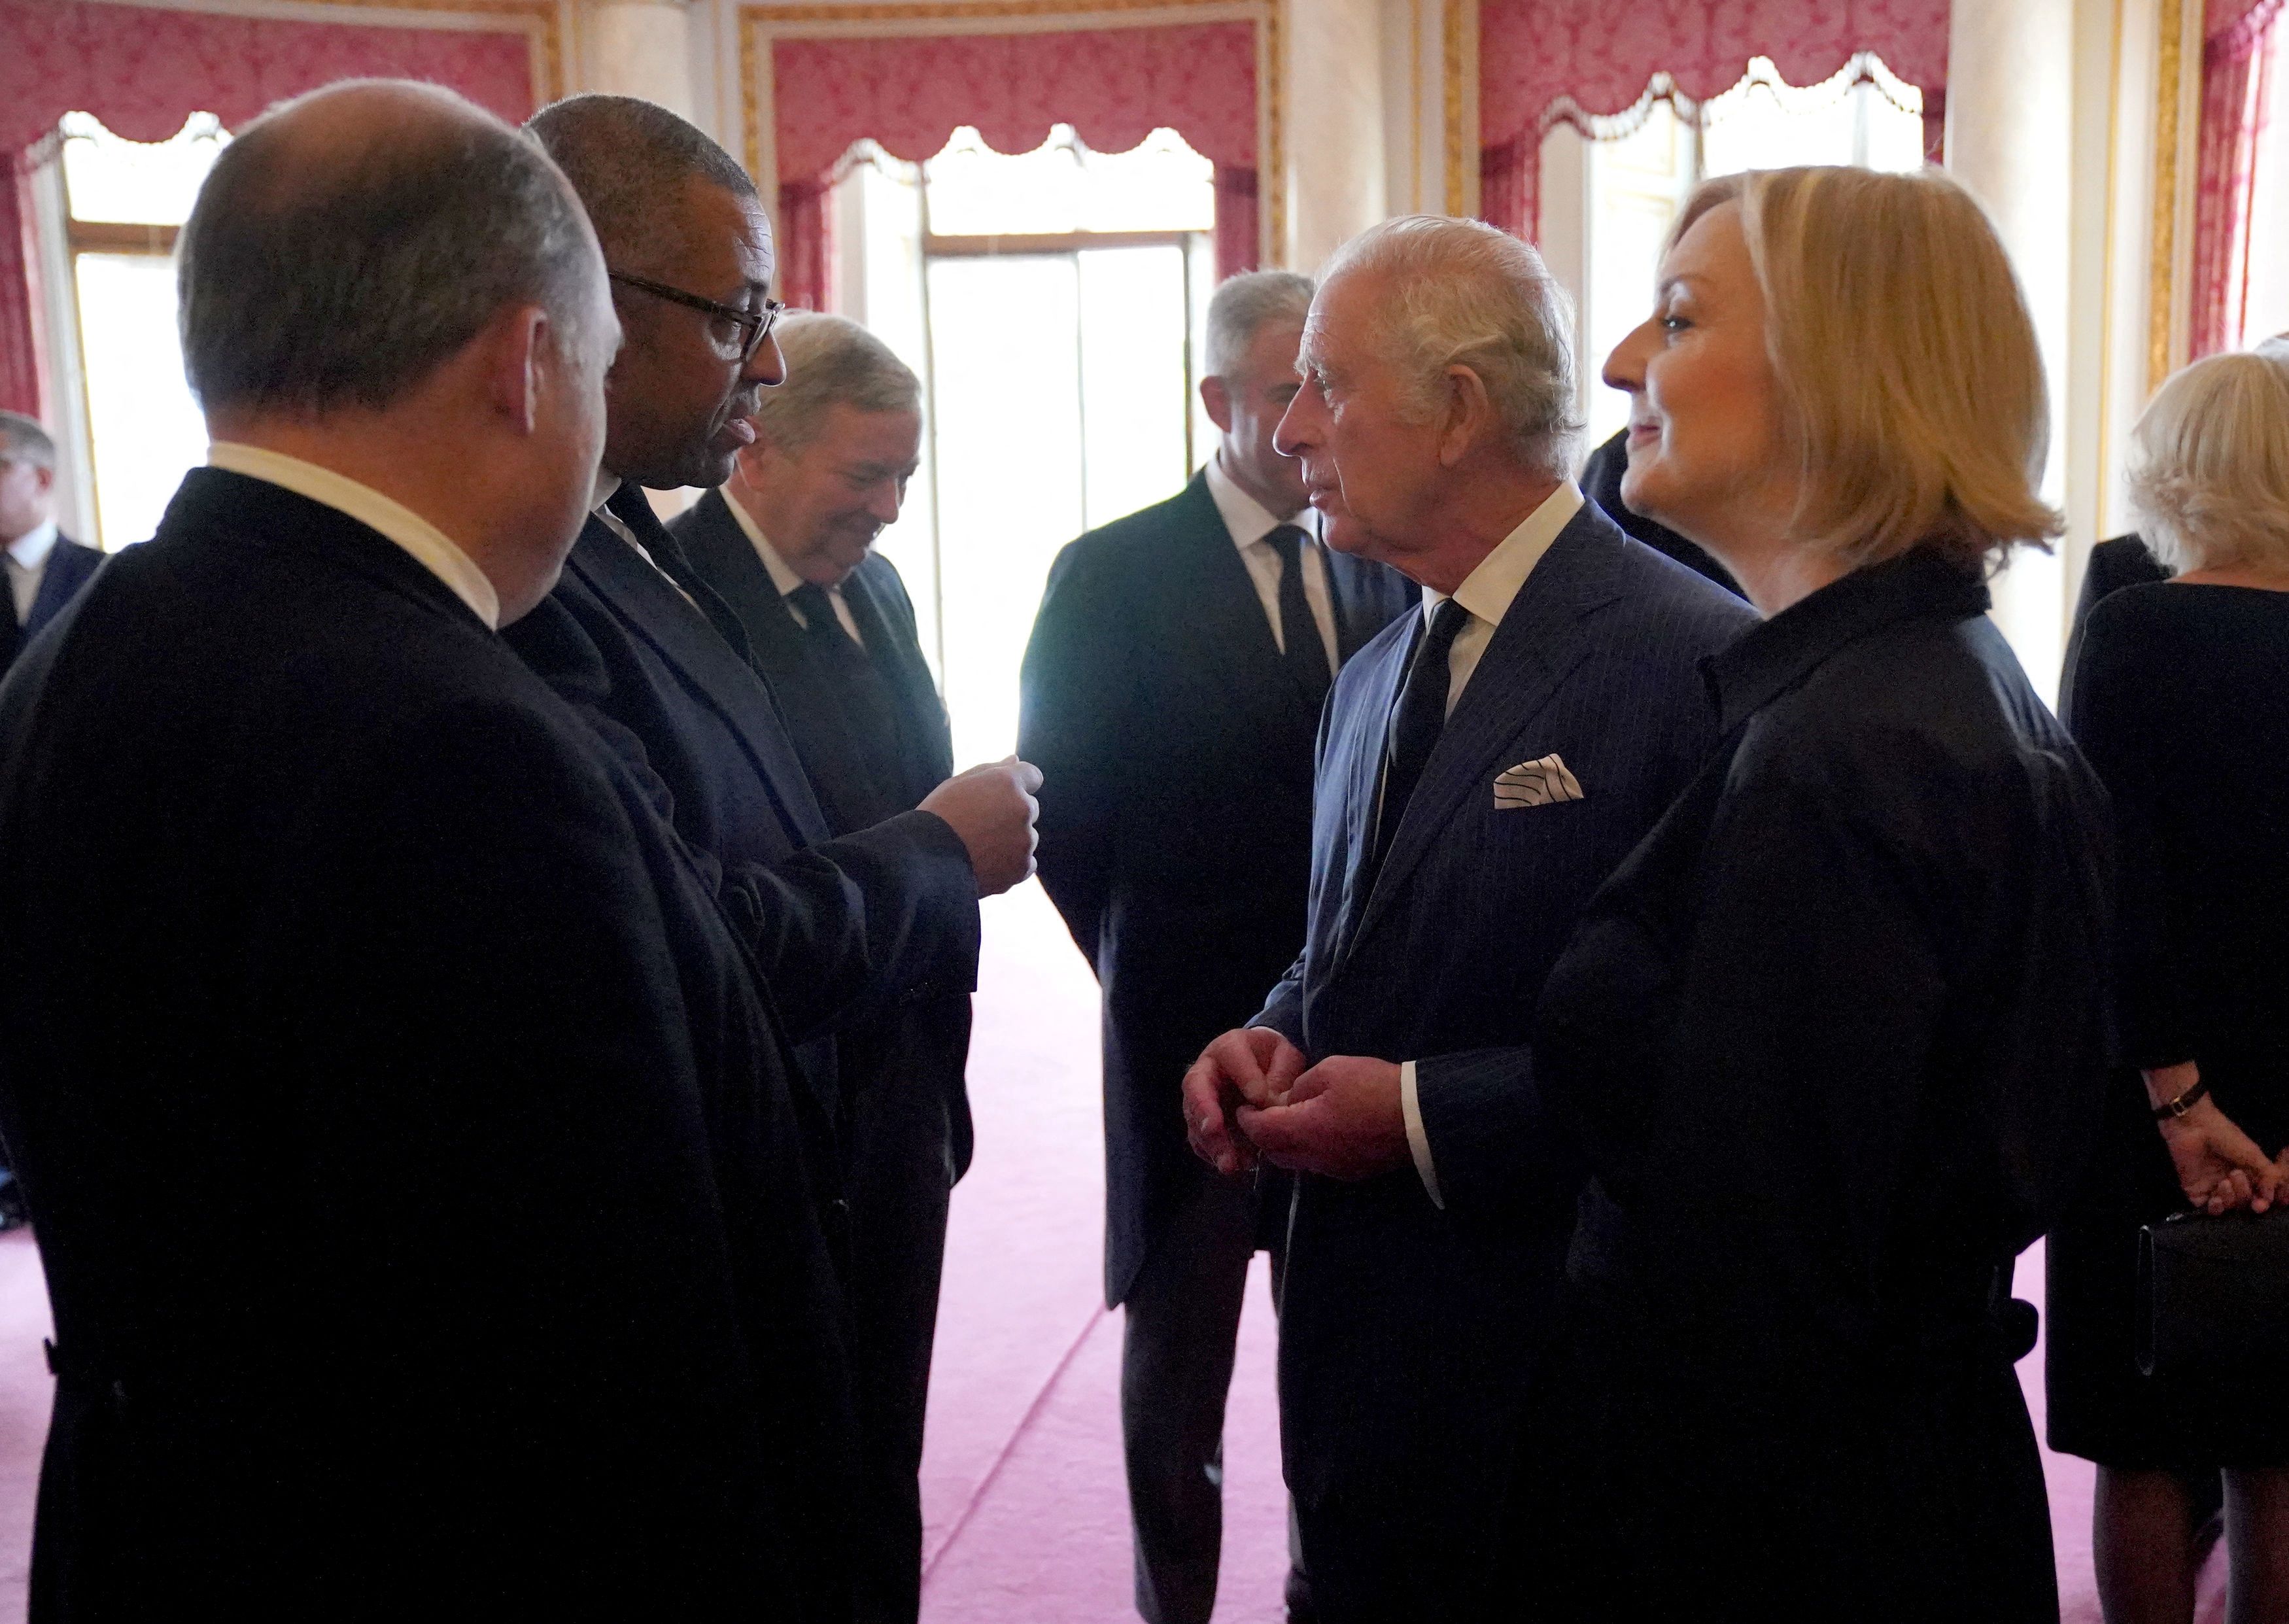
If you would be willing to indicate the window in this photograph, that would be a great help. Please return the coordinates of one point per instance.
(114, 206)
(1610, 197)
(2264, 290)
(1051, 302)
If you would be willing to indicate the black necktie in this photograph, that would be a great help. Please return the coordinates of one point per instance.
(1300, 644)
(863, 691)
(1418, 720)
(821, 625)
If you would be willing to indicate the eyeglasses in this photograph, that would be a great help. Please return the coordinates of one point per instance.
(754, 325)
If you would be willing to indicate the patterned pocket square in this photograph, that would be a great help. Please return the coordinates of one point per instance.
(1537, 783)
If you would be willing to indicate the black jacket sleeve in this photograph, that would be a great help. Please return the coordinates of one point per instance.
(1076, 713)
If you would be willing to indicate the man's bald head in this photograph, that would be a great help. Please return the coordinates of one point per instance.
(350, 241)
(629, 159)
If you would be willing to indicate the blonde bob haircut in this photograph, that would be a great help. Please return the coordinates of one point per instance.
(1912, 389)
(2209, 475)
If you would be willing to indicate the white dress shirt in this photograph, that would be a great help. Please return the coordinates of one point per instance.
(1487, 592)
(1249, 524)
(27, 565)
(429, 546)
(784, 577)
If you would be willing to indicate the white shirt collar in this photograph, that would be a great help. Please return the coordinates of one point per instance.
(30, 550)
(1489, 591)
(1247, 518)
(430, 547)
(783, 577)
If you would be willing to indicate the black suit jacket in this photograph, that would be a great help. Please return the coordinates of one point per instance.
(422, 1200)
(71, 567)
(2126, 561)
(891, 910)
(1175, 758)
(905, 1042)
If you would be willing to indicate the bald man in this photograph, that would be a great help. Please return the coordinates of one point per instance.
(505, 1295)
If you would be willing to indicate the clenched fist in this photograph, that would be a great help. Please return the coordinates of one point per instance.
(992, 808)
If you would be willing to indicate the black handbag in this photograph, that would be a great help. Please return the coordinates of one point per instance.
(2214, 1298)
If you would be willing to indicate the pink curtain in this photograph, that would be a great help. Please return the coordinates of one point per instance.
(2235, 64)
(1239, 238)
(908, 93)
(143, 70)
(19, 355)
(802, 245)
(1543, 60)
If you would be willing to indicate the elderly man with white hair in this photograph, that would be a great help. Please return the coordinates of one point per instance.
(1483, 766)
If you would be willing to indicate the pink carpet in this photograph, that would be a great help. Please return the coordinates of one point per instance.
(1023, 1497)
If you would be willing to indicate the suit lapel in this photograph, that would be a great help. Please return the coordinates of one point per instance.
(1534, 650)
(891, 643)
(1368, 723)
(69, 565)
(653, 609)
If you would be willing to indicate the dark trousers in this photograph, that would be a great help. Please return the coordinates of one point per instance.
(900, 1176)
(1181, 1329)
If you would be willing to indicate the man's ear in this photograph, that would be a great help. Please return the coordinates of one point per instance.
(1217, 399)
(520, 345)
(1470, 410)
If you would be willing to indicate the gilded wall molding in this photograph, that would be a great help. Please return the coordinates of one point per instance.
(2162, 264)
(1458, 62)
(759, 24)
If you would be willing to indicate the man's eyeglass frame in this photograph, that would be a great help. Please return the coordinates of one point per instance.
(755, 325)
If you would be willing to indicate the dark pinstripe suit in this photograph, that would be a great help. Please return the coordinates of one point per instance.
(1404, 1342)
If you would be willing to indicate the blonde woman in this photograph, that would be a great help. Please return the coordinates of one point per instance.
(2181, 702)
(1837, 1030)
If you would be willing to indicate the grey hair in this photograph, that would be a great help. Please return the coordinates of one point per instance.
(319, 271)
(25, 440)
(1245, 305)
(625, 156)
(830, 361)
(1464, 294)
(2209, 478)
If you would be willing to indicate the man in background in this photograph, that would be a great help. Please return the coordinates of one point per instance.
(1172, 690)
(788, 543)
(322, 918)
(45, 567)
(45, 570)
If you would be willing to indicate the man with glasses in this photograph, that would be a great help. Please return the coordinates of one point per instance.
(789, 541)
(635, 638)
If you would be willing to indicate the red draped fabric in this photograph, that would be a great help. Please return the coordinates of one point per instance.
(1541, 61)
(143, 70)
(2236, 61)
(909, 93)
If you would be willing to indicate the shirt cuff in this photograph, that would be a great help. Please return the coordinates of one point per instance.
(1417, 1140)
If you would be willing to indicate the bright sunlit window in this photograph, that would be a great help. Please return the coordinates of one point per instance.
(1632, 187)
(122, 203)
(1051, 302)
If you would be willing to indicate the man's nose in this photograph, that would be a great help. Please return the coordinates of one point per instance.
(882, 502)
(1297, 424)
(766, 366)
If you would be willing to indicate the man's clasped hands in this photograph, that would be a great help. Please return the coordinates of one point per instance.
(1253, 1095)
